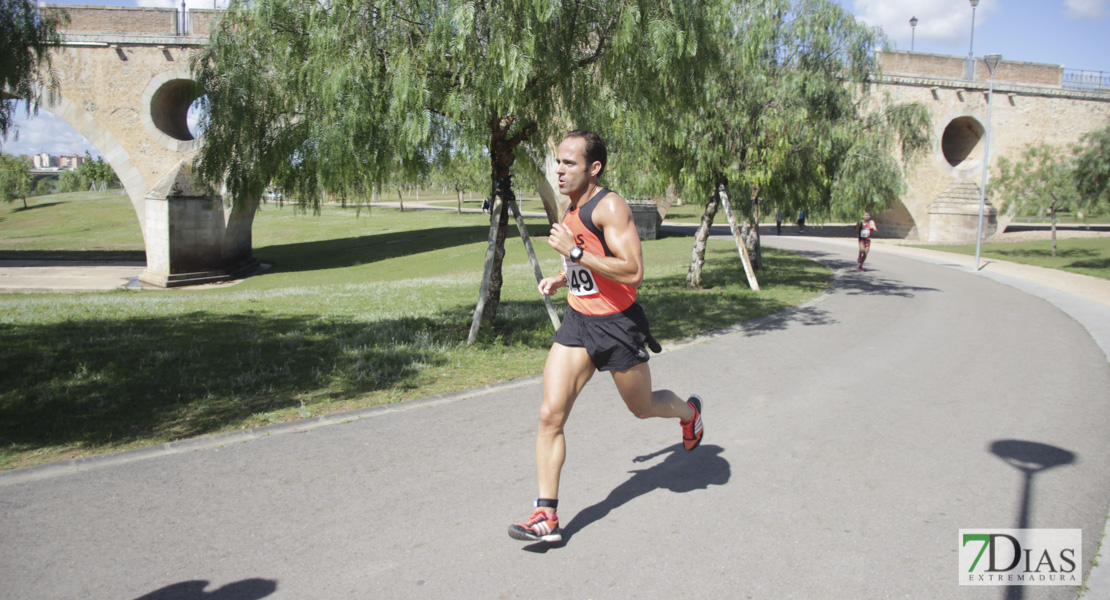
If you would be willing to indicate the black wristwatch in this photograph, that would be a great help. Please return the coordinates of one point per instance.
(576, 253)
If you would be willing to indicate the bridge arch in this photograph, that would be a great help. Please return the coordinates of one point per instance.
(109, 148)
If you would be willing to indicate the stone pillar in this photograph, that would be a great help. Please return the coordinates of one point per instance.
(646, 216)
(191, 238)
(954, 216)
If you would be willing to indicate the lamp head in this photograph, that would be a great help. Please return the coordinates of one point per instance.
(913, 22)
(992, 61)
(974, 3)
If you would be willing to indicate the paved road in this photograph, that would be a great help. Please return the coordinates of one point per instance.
(848, 441)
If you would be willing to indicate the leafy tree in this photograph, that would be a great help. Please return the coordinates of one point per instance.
(311, 95)
(73, 180)
(15, 178)
(1092, 168)
(463, 171)
(96, 171)
(1050, 179)
(27, 34)
(790, 120)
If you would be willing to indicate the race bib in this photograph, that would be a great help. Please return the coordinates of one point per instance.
(580, 281)
(865, 233)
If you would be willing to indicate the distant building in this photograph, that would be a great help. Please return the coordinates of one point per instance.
(69, 161)
(45, 161)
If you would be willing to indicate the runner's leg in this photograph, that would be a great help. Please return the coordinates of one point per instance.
(634, 386)
(565, 374)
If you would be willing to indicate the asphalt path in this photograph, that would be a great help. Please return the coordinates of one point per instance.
(848, 440)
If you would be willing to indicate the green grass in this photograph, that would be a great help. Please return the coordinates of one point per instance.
(1086, 256)
(78, 225)
(360, 308)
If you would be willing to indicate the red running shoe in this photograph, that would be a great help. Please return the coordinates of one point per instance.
(692, 430)
(539, 527)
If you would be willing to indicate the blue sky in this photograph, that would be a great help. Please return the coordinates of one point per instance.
(1074, 33)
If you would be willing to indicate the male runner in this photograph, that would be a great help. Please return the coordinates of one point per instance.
(864, 230)
(603, 329)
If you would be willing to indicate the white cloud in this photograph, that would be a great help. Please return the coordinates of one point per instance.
(44, 133)
(159, 4)
(944, 22)
(1086, 9)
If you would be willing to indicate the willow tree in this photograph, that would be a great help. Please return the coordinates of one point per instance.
(332, 94)
(790, 118)
(27, 35)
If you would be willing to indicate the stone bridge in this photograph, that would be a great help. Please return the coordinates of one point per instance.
(126, 86)
(1031, 105)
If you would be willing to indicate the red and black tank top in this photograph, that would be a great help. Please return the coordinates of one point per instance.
(591, 293)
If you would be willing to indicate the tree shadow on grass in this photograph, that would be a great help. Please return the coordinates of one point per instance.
(354, 251)
(97, 381)
(680, 472)
(93, 382)
(1045, 253)
(1102, 264)
(77, 256)
(725, 299)
(34, 206)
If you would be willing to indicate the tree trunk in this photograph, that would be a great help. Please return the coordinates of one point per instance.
(752, 236)
(1052, 217)
(489, 298)
(502, 157)
(458, 192)
(400, 198)
(697, 258)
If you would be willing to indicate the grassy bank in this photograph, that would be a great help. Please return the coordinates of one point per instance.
(1086, 256)
(359, 308)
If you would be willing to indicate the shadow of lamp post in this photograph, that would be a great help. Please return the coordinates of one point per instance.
(1030, 458)
(992, 61)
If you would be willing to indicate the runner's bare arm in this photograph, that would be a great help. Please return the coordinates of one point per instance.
(626, 266)
(549, 285)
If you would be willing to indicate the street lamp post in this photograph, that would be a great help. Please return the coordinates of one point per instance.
(992, 61)
(971, 49)
(913, 30)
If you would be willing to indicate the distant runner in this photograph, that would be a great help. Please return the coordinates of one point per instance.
(865, 229)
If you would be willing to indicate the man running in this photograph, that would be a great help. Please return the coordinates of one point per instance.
(603, 329)
(865, 229)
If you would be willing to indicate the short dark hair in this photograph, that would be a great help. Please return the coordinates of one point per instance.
(595, 148)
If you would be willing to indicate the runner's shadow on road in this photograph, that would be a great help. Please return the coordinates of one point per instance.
(680, 472)
(247, 589)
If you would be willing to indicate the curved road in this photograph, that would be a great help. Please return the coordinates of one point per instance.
(848, 441)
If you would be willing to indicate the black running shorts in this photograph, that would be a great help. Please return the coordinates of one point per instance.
(614, 342)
